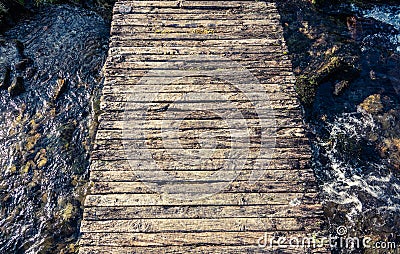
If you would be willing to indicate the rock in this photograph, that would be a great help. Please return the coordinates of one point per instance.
(59, 88)
(42, 162)
(340, 87)
(29, 165)
(21, 65)
(17, 86)
(68, 212)
(372, 75)
(125, 9)
(372, 104)
(4, 77)
(20, 46)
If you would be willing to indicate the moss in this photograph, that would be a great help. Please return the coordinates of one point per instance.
(68, 212)
(12, 169)
(31, 141)
(27, 167)
(306, 88)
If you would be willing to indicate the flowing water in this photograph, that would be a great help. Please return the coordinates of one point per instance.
(389, 15)
(357, 135)
(53, 62)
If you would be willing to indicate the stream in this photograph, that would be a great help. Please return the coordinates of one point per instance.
(50, 71)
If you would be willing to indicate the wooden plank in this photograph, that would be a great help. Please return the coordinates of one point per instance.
(184, 239)
(127, 57)
(196, 23)
(208, 167)
(206, 212)
(261, 75)
(285, 80)
(126, 89)
(133, 175)
(141, 65)
(122, 45)
(280, 116)
(113, 200)
(199, 225)
(177, 15)
(255, 42)
(267, 133)
(127, 10)
(139, 187)
(199, 250)
(202, 104)
(272, 169)
(177, 121)
(152, 94)
(191, 4)
(185, 140)
(195, 156)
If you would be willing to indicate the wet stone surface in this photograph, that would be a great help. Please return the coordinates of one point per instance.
(347, 65)
(49, 85)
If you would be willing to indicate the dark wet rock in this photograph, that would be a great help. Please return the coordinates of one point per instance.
(17, 86)
(347, 72)
(59, 53)
(372, 104)
(60, 87)
(340, 87)
(10, 12)
(21, 65)
(4, 77)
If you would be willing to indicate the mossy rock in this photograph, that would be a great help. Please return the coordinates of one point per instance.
(68, 212)
(372, 104)
(306, 88)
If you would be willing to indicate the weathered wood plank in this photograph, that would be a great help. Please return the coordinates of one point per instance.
(113, 200)
(199, 250)
(122, 45)
(143, 65)
(192, 4)
(280, 117)
(191, 141)
(268, 81)
(195, 155)
(199, 225)
(272, 168)
(184, 239)
(142, 104)
(133, 175)
(126, 57)
(127, 10)
(122, 26)
(206, 212)
(256, 43)
(139, 187)
(255, 131)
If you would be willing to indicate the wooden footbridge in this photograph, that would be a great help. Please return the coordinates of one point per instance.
(201, 146)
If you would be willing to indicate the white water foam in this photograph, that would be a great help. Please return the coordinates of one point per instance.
(389, 15)
(346, 181)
